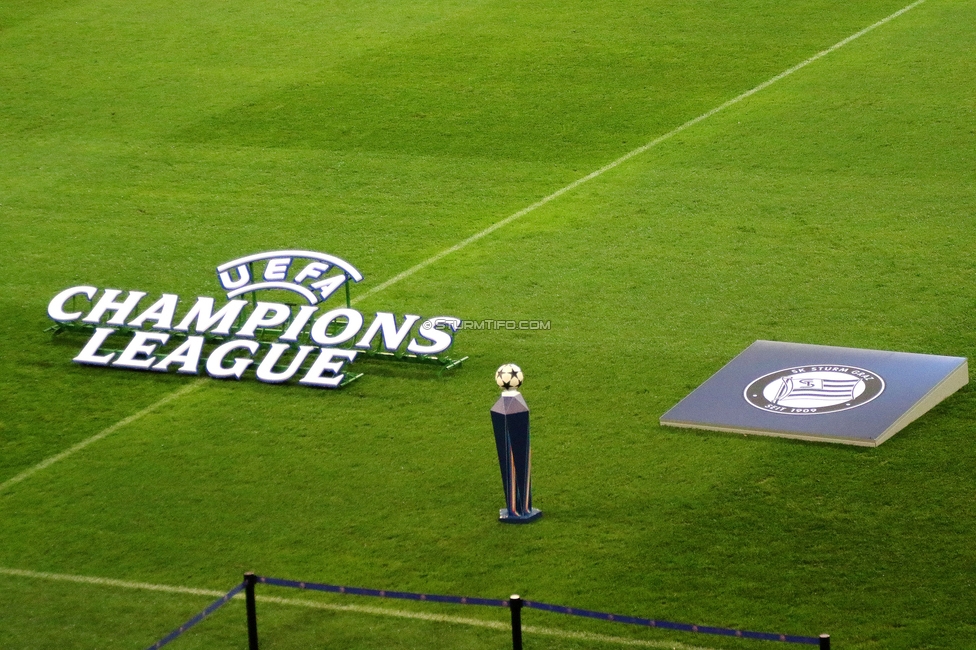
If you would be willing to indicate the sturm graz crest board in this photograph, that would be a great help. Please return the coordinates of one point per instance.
(818, 392)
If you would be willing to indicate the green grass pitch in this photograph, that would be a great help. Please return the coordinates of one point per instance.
(144, 143)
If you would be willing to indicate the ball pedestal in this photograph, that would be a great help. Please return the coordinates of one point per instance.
(510, 420)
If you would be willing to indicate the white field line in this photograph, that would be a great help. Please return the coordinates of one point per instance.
(357, 609)
(27, 473)
(627, 156)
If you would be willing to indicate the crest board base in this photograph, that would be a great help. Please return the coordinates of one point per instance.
(820, 393)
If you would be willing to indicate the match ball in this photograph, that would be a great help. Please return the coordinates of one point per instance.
(509, 377)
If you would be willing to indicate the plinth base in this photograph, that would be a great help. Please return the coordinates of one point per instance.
(506, 517)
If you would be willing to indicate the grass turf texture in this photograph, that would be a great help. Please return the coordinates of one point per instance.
(145, 144)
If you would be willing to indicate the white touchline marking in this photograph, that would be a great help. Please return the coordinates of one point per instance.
(27, 473)
(108, 582)
(627, 156)
(358, 609)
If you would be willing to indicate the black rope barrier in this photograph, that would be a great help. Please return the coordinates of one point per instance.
(515, 604)
(382, 593)
(214, 606)
(670, 625)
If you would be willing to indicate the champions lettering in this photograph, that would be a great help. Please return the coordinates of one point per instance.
(307, 342)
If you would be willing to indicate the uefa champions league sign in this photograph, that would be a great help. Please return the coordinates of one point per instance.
(283, 340)
(816, 392)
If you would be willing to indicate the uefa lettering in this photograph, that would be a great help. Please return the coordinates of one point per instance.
(280, 340)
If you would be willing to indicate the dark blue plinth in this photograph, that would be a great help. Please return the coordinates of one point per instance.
(510, 420)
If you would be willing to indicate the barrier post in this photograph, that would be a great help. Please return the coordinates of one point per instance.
(252, 615)
(515, 604)
(824, 642)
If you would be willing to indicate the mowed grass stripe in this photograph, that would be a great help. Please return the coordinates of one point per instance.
(490, 229)
(635, 152)
(357, 609)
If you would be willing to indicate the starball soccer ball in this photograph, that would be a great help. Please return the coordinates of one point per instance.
(509, 377)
